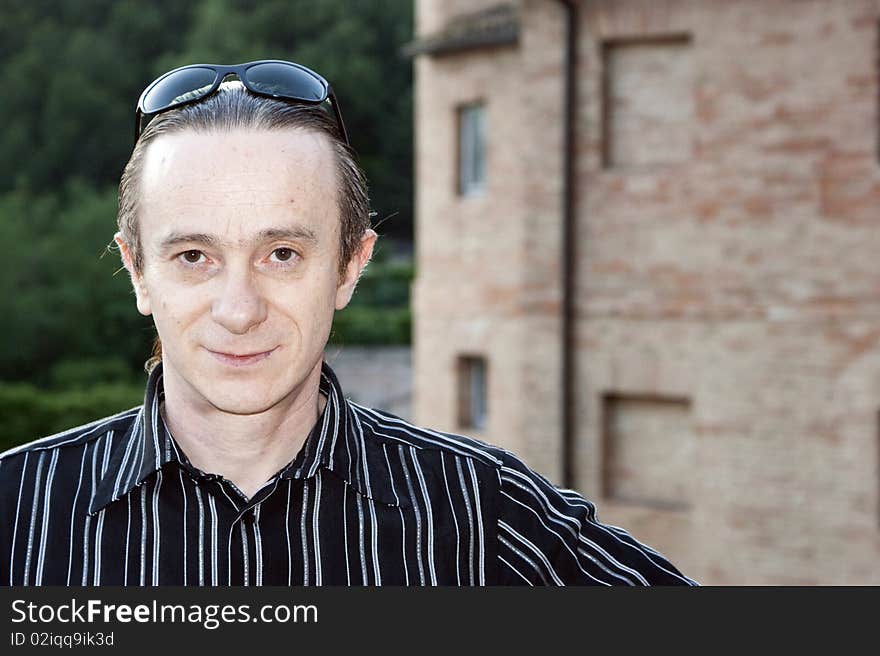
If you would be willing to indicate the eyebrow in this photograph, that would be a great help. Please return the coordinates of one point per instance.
(297, 233)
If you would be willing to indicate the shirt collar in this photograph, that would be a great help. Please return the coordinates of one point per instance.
(338, 442)
(341, 443)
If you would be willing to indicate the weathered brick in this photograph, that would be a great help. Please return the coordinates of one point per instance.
(742, 276)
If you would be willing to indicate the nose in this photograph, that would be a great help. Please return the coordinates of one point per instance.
(239, 306)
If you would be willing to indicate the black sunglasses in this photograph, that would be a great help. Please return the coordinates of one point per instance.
(271, 78)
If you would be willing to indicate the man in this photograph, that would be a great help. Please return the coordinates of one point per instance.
(244, 225)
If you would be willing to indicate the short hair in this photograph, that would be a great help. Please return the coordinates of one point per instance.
(234, 107)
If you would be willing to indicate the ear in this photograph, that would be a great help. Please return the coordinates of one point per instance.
(354, 268)
(137, 281)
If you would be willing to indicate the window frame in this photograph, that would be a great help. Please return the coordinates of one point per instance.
(471, 178)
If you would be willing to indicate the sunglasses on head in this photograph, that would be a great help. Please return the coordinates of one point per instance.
(271, 78)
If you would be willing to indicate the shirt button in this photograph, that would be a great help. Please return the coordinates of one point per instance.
(249, 517)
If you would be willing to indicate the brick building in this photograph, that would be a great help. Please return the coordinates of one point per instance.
(724, 351)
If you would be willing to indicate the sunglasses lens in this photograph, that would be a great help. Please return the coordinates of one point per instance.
(286, 81)
(178, 87)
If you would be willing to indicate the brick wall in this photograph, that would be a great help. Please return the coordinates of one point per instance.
(743, 277)
(740, 273)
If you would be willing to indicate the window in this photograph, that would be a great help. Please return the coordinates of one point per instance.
(647, 102)
(472, 392)
(471, 149)
(649, 451)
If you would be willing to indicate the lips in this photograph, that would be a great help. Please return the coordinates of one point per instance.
(241, 360)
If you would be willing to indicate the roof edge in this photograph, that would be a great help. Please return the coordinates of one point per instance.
(494, 27)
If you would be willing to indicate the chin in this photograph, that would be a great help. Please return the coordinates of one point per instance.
(239, 406)
(240, 397)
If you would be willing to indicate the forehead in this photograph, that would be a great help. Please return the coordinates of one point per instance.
(238, 183)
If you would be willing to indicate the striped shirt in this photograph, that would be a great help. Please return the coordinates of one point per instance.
(369, 500)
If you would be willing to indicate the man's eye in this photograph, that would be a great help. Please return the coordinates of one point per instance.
(284, 254)
(191, 257)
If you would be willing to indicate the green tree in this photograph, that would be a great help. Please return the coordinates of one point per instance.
(58, 291)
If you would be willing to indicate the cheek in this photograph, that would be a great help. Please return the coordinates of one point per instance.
(310, 302)
(174, 308)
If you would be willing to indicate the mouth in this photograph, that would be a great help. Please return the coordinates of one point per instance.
(241, 360)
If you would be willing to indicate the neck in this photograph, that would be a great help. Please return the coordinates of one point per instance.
(245, 449)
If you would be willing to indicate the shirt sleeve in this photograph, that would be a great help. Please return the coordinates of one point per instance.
(551, 536)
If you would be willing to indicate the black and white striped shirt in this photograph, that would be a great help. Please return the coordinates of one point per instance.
(369, 500)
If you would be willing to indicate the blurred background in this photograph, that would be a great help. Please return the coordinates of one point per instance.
(635, 242)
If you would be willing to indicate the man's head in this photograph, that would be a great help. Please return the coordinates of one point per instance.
(244, 223)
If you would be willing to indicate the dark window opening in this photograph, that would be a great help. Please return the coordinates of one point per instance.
(472, 392)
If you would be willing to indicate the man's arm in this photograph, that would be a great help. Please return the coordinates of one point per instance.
(550, 536)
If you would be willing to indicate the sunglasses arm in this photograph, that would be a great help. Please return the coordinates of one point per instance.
(336, 110)
(137, 124)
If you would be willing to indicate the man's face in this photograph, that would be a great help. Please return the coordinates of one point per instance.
(240, 234)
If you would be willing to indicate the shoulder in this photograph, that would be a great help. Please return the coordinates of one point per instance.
(390, 430)
(489, 468)
(545, 534)
(552, 535)
(67, 442)
(516, 480)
